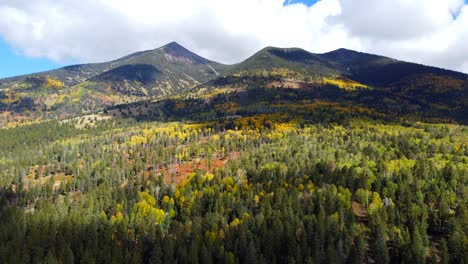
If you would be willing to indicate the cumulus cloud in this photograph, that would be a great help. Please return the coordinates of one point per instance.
(397, 19)
(433, 32)
(425, 31)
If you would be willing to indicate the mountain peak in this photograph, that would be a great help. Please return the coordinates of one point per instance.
(342, 52)
(288, 54)
(176, 50)
(347, 56)
(173, 45)
(272, 50)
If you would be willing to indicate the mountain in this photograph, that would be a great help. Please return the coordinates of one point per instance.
(171, 58)
(288, 157)
(363, 67)
(382, 85)
(278, 180)
(381, 71)
(353, 78)
(164, 71)
(291, 58)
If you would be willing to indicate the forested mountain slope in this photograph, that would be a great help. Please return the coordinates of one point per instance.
(287, 157)
(78, 89)
(259, 189)
(351, 78)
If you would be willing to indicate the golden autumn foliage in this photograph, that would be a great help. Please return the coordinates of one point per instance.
(118, 217)
(235, 222)
(53, 83)
(343, 83)
(137, 140)
(146, 209)
(375, 204)
(284, 72)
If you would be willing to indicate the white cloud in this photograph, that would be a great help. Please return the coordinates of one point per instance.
(397, 19)
(423, 31)
(433, 32)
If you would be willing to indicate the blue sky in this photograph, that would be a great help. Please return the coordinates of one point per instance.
(307, 2)
(12, 63)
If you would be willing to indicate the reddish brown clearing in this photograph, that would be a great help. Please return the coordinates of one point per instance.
(177, 172)
(358, 209)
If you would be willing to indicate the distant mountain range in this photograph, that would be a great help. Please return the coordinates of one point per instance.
(352, 78)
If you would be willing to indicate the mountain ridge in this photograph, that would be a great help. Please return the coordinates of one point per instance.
(173, 70)
(174, 46)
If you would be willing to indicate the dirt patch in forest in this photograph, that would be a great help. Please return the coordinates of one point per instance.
(177, 172)
(358, 209)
